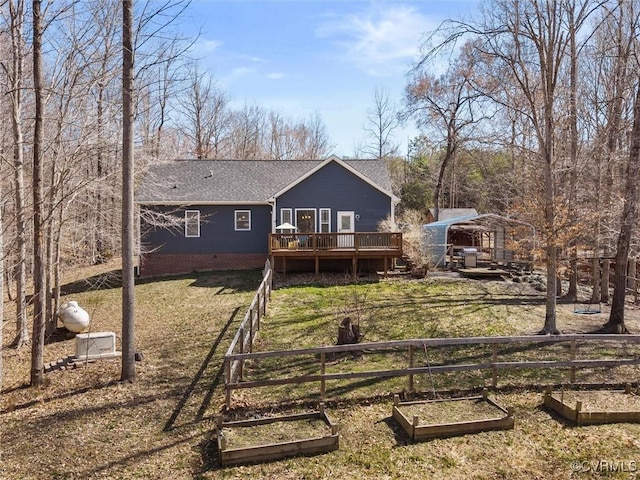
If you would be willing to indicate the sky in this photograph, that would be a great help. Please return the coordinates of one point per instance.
(326, 57)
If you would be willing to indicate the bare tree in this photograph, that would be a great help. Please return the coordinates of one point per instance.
(382, 120)
(612, 84)
(1, 285)
(314, 142)
(627, 224)
(13, 68)
(206, 116)
(288, 139)
(529, 39)
(39, 252)
(447, 106)
(248, 127)
(128, 372)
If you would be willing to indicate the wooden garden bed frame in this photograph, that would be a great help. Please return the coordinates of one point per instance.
(426, 432)
(273, 451)
(581, 417)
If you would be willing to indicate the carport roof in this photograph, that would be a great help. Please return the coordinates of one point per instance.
(480, 221)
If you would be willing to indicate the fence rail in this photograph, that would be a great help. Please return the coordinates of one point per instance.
(234, 361)
(245, 335)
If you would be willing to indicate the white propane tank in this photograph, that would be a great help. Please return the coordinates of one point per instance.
(74, 318)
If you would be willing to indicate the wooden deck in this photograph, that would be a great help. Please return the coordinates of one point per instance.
(324, 247)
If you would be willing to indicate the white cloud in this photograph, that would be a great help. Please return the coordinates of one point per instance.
(381, 41)
(242, 71)
(276, 76)
(206, 46)
(253, 58)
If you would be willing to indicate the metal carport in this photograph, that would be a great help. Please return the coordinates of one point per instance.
(489, 232)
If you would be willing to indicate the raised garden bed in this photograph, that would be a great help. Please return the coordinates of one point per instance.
(590, 407)
(450, 417)
(271, 438)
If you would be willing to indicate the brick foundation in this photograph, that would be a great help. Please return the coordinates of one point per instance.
(155, 264)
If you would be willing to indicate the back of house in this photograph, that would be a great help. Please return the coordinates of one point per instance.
(219, 214)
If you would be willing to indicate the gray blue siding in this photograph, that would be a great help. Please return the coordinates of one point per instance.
(336, 188)
(217, 231)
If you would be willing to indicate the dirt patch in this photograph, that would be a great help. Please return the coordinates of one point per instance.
(600, 400)
(276, 432)
(451, 411)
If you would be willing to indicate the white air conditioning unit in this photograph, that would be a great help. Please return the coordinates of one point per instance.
(96, 345)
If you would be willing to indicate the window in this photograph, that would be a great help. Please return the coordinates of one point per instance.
(325, 220)
(192, 223)
(306, 220)
(243, 220)
(285, 216)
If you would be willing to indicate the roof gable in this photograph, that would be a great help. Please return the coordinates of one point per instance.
(358, 169)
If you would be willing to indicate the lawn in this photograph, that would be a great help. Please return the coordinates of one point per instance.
(84, 424)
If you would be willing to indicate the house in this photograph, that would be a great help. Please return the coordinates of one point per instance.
(224, 214)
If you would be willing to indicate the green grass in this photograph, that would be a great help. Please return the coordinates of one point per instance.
(308, 316)
(84, 424)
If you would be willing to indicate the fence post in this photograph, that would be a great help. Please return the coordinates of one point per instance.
(241, 351)
(631, 273)
(494, 369)
(595, 277)
(573, 347)
(323, 385)
(227, 367)
(251, 332)
(411, 366)
(604, 282)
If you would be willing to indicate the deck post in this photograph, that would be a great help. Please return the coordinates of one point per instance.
(354, 265)
(284, 267)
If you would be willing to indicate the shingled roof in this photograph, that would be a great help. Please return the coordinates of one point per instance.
(239, 181)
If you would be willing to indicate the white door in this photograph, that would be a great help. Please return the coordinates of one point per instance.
(345, 225)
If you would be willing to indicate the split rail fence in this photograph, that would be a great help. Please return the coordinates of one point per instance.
(240, 352)
(245, 335)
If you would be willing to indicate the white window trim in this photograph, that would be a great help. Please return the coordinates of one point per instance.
(235, 220)
(320, 223)
(186, 222)
(282, 212)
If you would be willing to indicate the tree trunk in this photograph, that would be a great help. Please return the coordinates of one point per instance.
(629, 213)
(449, 153)
(128, 372)
(572, 292)
(550, 216)
(39, 252)
(16, 9)
(1, 293)
(348, 332)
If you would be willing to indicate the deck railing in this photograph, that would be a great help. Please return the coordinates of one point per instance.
(335, 241)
